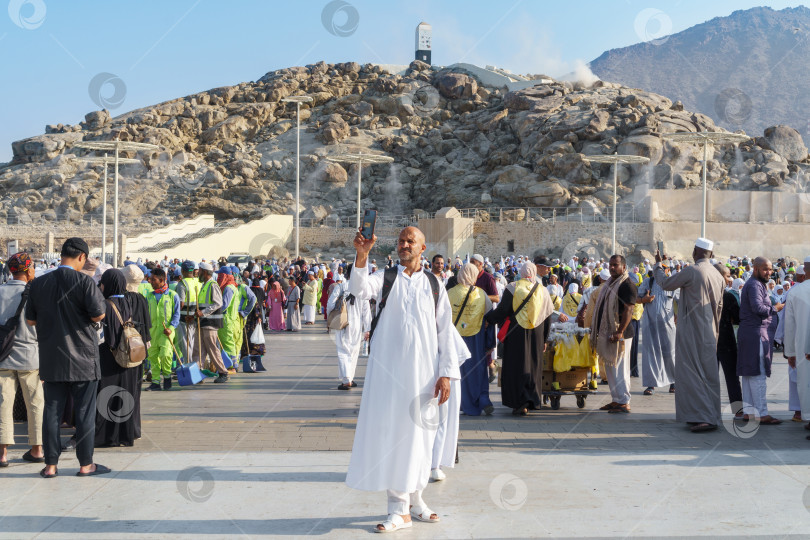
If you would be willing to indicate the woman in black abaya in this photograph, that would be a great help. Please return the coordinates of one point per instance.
(118, 400)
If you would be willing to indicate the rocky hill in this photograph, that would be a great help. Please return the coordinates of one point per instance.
(746, 71)
(231, 151)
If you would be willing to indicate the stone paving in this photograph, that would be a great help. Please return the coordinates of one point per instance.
(265, 455)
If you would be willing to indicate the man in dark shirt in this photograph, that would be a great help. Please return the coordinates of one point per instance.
(618, 370)
(64, 305)
(485, 280)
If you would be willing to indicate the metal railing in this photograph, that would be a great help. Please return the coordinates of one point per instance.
(624, 214)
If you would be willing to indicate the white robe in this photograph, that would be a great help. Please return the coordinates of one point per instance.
(446, 443)
(797, 340)
(412, 346)
(350, 339)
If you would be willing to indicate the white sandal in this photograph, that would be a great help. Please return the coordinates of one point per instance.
(394, 522)
(423, 514)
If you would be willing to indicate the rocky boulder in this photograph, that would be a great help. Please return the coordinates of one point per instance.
(787, 142)
(457, 86)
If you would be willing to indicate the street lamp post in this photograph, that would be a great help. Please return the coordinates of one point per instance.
(298, 100)
(105, 161)
(616, 159)
(116, 146)
(705, 137)
(359, 159)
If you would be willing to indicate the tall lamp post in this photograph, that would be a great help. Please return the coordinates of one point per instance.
(706, 137)
(105, 161)
(298, 100)
(359, 160)
(115, 146)
(616, 159)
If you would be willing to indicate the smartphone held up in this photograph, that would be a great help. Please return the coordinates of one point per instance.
(369, 222)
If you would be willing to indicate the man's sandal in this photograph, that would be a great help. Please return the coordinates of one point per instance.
(425, 514)
(394, 522)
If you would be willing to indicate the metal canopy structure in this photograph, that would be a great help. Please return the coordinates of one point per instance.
(298, 100)
(105, 161)
(359, 160)
(615, 160)
(115, 146)
(705, 138)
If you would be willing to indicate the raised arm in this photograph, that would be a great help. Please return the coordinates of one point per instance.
(671, 283)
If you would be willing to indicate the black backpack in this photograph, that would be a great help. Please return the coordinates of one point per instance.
(9, 329)
(388, 283)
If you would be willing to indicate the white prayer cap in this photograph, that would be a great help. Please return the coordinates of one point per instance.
(207, 267)
(478, 257)
(704, 243)
(573, 288)
(604, 275)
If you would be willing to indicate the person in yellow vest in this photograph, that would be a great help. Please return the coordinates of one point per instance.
(210, 314)
(470, 304)
(527, 307)
(246, 301)
(164, 311)
(230, 316)
(571, 300)
(188, 288)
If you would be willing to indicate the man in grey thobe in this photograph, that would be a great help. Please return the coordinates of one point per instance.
(658, 329)
(697, 400)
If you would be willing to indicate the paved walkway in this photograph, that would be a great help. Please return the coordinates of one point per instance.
(265, 455)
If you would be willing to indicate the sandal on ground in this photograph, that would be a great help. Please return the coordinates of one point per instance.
(649, 391)
(394, 522)
(28, 457)
(345, 387)
(703, 426)
(671, 388)
(3, 463)
(100, 469)
(621, 408)
(769, 421)
(609, 406)
(424, 514)
(354, 384)
(43, 475)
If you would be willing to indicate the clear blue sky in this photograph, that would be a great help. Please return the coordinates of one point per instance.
(51, 50)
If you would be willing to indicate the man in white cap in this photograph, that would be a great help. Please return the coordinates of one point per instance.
(797, 345)
(210, 314)
(697, 401)
(485, 280)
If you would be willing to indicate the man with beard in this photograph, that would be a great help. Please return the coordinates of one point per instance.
(755, 342)
(414, 354)
(697, 401)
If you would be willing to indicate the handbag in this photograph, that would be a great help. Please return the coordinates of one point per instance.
(9, 329)
(131, 351)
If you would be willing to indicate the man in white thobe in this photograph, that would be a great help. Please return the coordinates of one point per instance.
(349, 340)
(413, 358)
(797, 339)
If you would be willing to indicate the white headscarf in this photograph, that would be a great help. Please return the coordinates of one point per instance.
(528, 271)
(573, 288)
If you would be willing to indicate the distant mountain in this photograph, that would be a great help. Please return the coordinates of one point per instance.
(746, 71)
